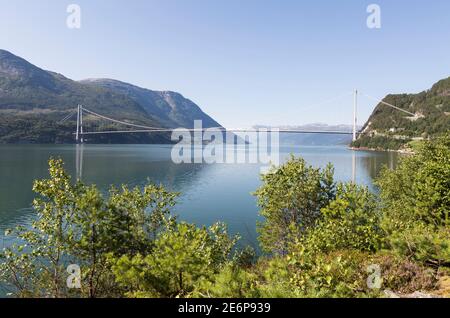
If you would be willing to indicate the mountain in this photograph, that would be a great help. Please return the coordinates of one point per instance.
(389, 128)
(171, 108)
(304, 139)
(33, 102)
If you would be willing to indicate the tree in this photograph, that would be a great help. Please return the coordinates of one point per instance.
(350, 221)
(290, 199)
(419, 189)
(77, 225)
(181, 258)
(416, 203)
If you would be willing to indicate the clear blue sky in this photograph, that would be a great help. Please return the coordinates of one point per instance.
(244, 62)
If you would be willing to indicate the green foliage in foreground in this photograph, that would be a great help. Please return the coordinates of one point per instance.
(291, 199)
(322, 238)
(181, 257)
(416, 204)
(350, 221)
(77, 225)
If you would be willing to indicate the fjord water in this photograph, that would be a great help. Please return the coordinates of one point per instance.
(209, 192)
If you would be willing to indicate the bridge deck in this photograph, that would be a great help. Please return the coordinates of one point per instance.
(289, 131)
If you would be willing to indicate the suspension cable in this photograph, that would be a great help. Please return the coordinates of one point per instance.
(73, 112)
(119, 121)
(159, 129)
(390, 105)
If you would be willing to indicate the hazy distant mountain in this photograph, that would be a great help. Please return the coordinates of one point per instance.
(314, 139)
(33, 101)
(313, 127)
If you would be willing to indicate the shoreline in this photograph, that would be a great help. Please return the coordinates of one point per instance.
(400, 151)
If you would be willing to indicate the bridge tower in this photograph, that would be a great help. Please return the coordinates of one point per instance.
(355, 114)
(81, 124)
(79, 133)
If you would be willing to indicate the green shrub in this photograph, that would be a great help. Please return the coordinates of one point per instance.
(419, 189)
(416, 204)
(337, 274)
(290, 199)
(351, 221)
(76, 224)
(423, 243)
(230, 282)
(181, 257)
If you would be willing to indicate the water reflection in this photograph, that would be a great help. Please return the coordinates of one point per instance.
(79, 149)
(210, 193)
(353, 167)
(374, 162)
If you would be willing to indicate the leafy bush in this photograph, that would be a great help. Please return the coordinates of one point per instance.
(423, 243)
(337, 274)
(180, 258)
(416, 203)
(351, 221)
(77, 225)
(290, 199)
(230, 282)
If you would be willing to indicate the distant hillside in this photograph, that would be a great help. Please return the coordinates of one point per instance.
(314, 139)
(33, 101)
(171, 109)
(388, 128)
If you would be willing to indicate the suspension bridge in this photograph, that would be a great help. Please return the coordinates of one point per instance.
(100, 124)
(106, 122)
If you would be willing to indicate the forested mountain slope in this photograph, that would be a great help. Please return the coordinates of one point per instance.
(388, 128)
(33, 101)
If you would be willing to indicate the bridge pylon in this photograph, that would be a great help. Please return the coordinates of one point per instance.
(355, 114)
(79, 133)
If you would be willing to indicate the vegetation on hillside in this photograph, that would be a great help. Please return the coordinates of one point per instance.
(321, 238)
(379, 143)
(35, 129)
(34, 101)
(389, 128)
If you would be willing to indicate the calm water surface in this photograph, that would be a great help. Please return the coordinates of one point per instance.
(209, 193)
